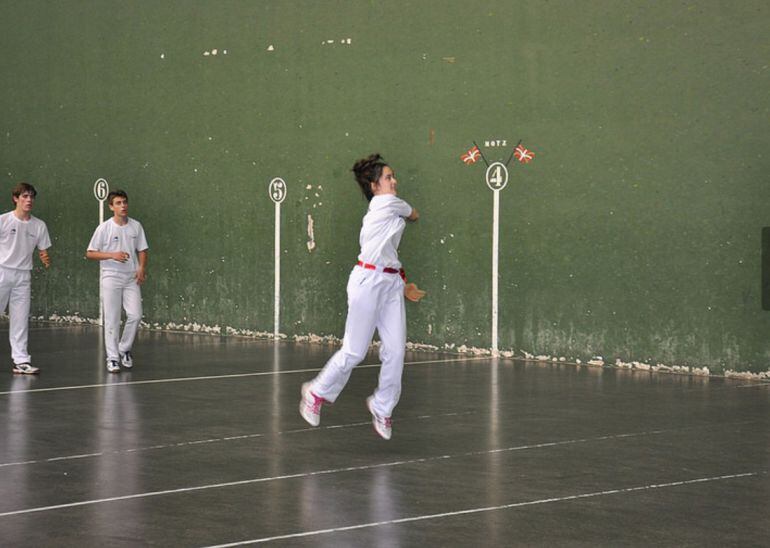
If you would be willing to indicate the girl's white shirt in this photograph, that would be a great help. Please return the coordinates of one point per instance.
(381, 230)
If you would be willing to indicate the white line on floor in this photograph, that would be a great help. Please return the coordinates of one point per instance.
(490, 508)
(217, 440)
(327, 472)
(232, 376)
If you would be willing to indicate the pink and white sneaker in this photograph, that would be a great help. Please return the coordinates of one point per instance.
(382, 425)
(310, 406)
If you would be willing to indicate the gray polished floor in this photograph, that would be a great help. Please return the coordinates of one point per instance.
(201, 444)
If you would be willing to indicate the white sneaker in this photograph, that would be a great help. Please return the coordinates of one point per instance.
(25, 369)
(112, 366)
(310, 406)
(126, 359)
(382, 425)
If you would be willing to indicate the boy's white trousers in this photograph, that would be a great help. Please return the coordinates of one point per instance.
(375, 301)
(120, 291)
(15, 293)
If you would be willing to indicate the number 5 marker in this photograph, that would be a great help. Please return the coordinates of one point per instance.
(277, 193)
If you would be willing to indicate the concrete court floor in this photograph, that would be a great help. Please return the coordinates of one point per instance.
(201, 444)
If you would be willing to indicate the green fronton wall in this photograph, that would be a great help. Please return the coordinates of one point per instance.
(634, 234)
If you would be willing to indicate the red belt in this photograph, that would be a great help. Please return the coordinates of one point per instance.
(387, 269)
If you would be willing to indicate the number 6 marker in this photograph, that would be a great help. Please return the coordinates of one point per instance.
(101, 190)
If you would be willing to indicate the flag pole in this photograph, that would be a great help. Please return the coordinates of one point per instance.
(512, 153)
(482, 154)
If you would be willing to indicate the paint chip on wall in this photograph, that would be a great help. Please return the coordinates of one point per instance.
(310, 233)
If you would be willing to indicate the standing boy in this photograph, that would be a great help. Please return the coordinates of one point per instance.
(20, 233)
(119, 243)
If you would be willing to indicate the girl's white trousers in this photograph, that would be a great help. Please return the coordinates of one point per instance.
(375, 301)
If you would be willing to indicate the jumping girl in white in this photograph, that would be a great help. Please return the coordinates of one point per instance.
(376, 290)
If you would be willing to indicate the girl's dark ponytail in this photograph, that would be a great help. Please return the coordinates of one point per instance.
(367, 171)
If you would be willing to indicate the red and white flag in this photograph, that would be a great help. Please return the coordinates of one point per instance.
(472, 156)
(523, 155)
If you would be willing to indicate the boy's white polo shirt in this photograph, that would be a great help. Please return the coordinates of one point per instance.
(18, 239)
(110, 237)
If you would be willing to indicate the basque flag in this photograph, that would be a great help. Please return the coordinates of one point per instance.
(523, 155)
(472, 156)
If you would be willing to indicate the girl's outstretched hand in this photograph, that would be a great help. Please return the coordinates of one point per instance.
(413, 293)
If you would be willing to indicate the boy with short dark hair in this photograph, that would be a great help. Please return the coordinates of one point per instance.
(20, 233)
(120, 245)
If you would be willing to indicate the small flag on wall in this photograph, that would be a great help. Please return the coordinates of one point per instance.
(472, 156)
(523, 155)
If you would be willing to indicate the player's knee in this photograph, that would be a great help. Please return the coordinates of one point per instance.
(354, 357)
(134, 316)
